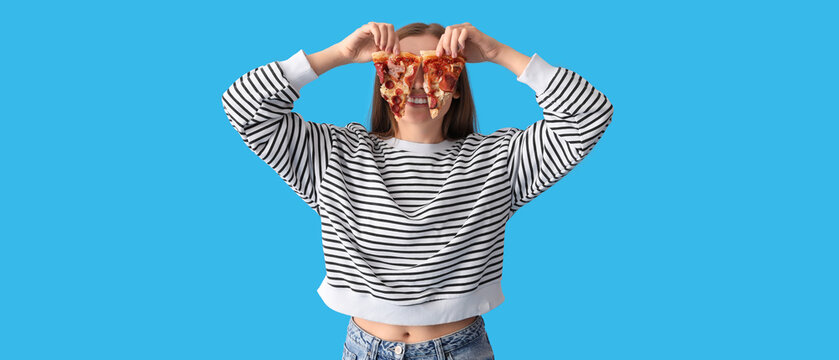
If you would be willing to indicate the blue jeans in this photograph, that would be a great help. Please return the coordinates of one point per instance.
(470, 343)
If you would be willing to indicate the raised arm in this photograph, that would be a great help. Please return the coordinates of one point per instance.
(575, 113)
(575, 117)
(259, 105)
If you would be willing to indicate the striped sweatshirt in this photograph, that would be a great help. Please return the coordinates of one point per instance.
(413, 233)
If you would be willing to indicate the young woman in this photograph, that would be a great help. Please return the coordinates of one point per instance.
(413, 212)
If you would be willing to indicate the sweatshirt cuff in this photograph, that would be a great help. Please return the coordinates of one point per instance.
(537, 74)
(297, 70)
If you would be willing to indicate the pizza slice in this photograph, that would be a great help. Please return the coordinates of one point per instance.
(441, 74)
(396, 73)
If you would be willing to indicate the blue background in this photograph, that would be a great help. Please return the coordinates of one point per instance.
(702, 226)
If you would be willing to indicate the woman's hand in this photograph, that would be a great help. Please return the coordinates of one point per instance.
(470, 42)
(359, 46)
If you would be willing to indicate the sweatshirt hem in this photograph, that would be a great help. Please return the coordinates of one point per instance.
(365, 306)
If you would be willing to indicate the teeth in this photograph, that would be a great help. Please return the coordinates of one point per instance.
(417, 101)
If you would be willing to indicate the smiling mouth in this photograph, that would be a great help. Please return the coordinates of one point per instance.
(418, 100)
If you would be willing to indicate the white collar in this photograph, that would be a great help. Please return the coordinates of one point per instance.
(419, 147)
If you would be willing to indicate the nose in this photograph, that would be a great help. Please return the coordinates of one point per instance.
(418, 80)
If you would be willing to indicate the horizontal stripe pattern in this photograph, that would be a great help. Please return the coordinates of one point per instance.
(406, 227)
(575, 117)
(259, 106)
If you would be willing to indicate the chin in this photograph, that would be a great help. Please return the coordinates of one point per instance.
(417, 116)
(415, 120)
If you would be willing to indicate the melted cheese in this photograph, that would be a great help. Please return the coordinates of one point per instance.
(395, 69)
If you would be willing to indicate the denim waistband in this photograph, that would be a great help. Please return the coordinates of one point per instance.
(395, 350)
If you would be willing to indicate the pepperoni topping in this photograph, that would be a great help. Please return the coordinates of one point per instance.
(380, 71)
(395, 108)
(447, 83)
(432, 102)
(398, 91)
(389, 84)
(396, 99)
(438, 67)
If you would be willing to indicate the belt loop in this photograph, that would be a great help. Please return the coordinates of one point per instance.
(438, 345)
(374, 349)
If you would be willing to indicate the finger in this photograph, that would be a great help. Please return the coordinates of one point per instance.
(376, 36)
(462, 38)
(393, 40)
(396, 48)
(383, 36)
(442, 46)
(453, 41)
